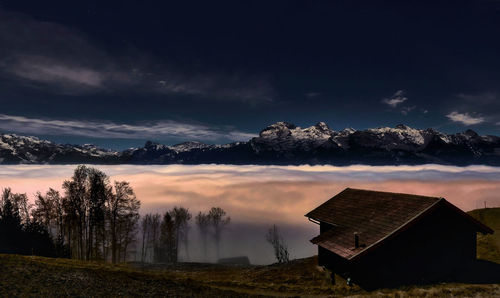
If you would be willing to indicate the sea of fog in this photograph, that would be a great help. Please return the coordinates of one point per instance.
(256, 197)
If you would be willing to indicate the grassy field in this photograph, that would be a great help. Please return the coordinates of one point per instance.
(488, 246)
(23, 276)
(37, 276)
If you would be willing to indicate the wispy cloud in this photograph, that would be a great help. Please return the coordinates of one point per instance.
(396, 99)
(60, 77)
(95, 129)
(406, 110)
(62, 60)
(465, 118)
(223, 86)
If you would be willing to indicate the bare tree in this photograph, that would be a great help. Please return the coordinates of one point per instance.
(181, 217)
(123, 213)
(203, 223)
(167, 251)
(43, 211)
(146, 230)
(84, 207)
(21, 203)
(154, 236)
(98, 191)
(273, 236)
(218, 220)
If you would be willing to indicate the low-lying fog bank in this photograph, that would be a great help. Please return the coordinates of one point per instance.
(258, 196)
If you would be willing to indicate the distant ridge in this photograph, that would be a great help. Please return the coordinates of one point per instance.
(281, 143)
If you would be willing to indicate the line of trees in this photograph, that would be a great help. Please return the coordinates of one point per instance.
(164, 235)
(18, 232)
(95, 219)
(92, 220)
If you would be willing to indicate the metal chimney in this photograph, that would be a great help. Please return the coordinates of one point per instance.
(356, 240)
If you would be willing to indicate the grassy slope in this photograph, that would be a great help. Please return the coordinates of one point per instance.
(38, 276)
(488, 246)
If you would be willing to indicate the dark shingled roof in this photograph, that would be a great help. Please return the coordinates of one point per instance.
(374, 215)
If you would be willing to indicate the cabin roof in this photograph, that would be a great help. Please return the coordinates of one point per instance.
(375, 216)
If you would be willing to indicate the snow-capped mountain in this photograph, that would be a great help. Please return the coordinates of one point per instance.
(279, 143)
(284, 136)
(16, 149)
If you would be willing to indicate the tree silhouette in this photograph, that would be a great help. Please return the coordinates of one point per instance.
(218, 220)
(273, 236)
(181, 218)
(203, 223)
(18, 233)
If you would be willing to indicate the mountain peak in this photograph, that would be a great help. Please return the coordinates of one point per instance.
(150, 144)
(281, 125)
(469, 132)
(322, 126)
(402, 127)
(279, 128)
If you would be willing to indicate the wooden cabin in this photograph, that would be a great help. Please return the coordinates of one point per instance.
(381, 239)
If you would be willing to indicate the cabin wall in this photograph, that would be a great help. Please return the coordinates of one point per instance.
(431, 250)
(325, 257)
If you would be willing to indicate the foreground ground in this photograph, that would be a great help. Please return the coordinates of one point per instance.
(23, 276)
(37, 276)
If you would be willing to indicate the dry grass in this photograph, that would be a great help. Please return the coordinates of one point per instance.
(23, 276)
(488, 246)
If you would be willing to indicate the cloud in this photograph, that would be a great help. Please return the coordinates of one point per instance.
(406, 110)
(153, 130)
(226, 87)
(61, 60)
(396, 99)
(62, 78)
(464, 118)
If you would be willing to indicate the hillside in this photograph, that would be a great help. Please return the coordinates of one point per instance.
(23, 276)
(488, 246)
(39, 276)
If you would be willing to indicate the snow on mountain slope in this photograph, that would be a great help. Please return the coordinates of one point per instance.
(284, 136)
(279, 143)
(187, 146)
(32, 150)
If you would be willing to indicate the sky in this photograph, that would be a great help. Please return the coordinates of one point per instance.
(119, 73)
(256, 197)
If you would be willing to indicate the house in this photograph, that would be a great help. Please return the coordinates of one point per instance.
(382, 239)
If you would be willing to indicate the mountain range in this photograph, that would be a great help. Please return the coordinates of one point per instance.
(281, 143)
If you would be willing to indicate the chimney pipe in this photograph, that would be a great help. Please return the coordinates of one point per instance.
(356, 240)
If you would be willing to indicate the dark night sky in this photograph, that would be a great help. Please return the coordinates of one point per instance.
(119, 73)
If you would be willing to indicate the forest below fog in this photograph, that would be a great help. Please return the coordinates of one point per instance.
(96, 219)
